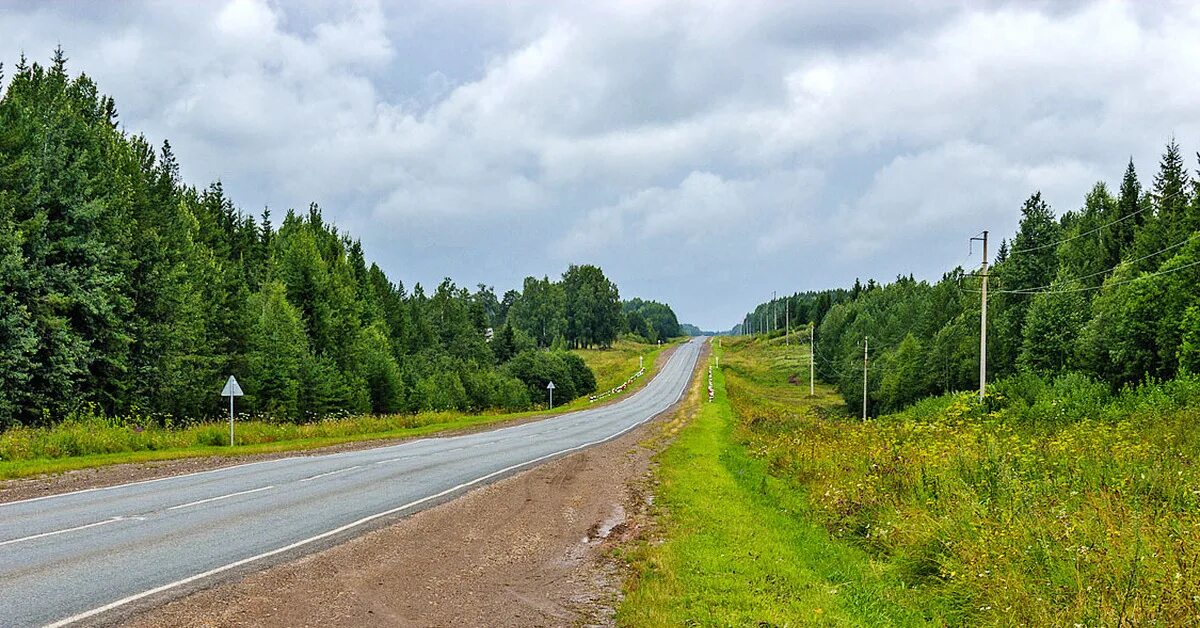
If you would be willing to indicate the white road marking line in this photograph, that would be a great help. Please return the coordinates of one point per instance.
(620, 403)
(325, 475)
(349, 526)
(213, 499)
(151, 481)
(63, 531)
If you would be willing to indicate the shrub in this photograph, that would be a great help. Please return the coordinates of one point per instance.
(570, 374)
(581, 376)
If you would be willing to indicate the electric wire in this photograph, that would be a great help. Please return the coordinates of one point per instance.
(1047, 289)
(1148, 207)
(1107, 270)
(1122, 282)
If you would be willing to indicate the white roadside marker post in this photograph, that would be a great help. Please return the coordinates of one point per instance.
(231, 390)
(550, 387)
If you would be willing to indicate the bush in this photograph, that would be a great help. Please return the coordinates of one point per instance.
(511, 394)
(1068, 398)
(570, 374)
(581, 376)
(442, 391)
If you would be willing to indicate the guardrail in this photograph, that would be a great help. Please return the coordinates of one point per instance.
(618, 389)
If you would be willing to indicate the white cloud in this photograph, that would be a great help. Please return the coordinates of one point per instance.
(743, 146)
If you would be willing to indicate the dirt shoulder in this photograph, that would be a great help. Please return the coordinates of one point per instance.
(530, 550)
(112, 475)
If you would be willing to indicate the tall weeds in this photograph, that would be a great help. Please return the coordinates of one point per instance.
(1051, 503)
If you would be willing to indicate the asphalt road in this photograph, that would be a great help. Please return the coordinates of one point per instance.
(92, 555)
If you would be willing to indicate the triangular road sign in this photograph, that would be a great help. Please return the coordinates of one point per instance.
(550, 386)
(231, 388)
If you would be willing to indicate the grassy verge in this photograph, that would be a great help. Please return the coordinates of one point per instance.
(614, 365)
(738, 546)
(1054, 503)
(100, 441)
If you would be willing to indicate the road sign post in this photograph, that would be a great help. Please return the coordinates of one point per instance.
(550, 387)
(231, 390)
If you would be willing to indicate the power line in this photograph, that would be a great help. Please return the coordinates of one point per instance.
(875, 366)
(1125, 281)
(1079, 235)
(1107, 270)
(1102, 286)
(1104, 226)
(1047, 288)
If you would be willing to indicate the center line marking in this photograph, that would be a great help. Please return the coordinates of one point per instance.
(213, 499)
(63, 531)
(324, 475)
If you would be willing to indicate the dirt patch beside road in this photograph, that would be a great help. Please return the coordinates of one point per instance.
(530, 550)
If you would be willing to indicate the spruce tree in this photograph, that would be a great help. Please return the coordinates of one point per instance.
(1130, 214)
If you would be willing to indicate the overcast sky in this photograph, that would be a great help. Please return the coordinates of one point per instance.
(703, 154)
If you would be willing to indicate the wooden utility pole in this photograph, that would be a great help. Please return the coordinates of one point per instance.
(866, 342)
(812, 355)
(983, 319)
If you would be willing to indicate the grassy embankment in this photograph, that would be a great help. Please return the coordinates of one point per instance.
(1052, 504)
(98, 441)
(736, 546)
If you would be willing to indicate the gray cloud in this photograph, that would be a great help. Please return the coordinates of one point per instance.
(703, 155)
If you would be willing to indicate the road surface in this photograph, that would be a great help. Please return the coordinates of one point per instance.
(90, 555)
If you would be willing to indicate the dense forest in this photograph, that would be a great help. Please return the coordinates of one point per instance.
(651, 320)
(1106, 292)
(126, 290)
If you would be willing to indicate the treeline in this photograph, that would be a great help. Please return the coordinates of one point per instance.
(127, 290)
(650, 320)
(1108, 291)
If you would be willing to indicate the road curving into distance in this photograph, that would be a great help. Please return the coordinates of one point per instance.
(94, 555)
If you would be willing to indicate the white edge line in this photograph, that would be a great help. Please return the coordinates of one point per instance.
(46, 534)
(299, 457)
(150, 481)
(219, 498)
(325, 475)
(338, 530)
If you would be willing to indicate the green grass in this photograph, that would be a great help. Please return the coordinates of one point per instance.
(1053, 503)
(614, 365)
(738, 547)
(100, 442)
(93, 441)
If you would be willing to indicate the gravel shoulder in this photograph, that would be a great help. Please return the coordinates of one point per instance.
(534, 549)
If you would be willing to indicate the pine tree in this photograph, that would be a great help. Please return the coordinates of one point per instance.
(504, 344)
(278, 353)
(376, 366)
(125, 287)
(1052, 327)
(1130, 213)
(1170, 222)
(1087, 242)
